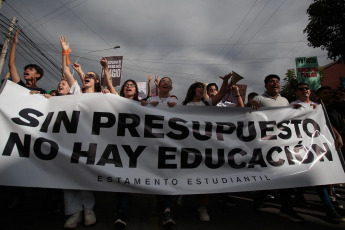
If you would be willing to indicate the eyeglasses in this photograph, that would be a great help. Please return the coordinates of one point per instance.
(303, 88)
(129, 85)
(166, 82)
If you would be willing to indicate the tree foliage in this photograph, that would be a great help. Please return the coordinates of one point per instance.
(290, 84)
(326, 27)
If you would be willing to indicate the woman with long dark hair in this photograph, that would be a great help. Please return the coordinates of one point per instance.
(129, 88)
(195, 94)
(195, 97)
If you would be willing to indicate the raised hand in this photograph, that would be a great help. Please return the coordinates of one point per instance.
(104, 63)
(77, 67)
(226, 77)
(15, 37)
(156, 80)
(63, 42)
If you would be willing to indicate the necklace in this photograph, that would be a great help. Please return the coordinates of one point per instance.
(163, 99)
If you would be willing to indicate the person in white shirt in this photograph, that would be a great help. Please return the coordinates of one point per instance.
(303, 94)
(271, 98)
(163, 98)
(164, 202)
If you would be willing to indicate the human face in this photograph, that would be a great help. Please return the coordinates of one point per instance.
(165, 84)
(326, 96)
(212, 91)
(303, 92)
(30, 73)
(273, 87)
(199, 93)
(129, 89)
(63, 88)
(90, 80)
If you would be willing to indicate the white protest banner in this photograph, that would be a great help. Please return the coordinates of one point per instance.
(109, 143)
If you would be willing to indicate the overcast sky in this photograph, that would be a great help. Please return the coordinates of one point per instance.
(187, 40)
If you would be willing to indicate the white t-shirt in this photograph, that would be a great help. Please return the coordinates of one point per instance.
(200, 103)
(304, 104)
(75, 88)
(162, 100)
(266, 100)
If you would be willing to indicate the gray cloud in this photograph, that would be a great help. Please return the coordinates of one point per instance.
(186, 40)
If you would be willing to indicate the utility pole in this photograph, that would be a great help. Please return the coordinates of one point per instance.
(6, 42)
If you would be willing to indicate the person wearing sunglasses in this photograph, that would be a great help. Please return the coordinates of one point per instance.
(78, 203)
(303, 92)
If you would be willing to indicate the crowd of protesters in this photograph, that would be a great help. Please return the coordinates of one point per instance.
(78, 205)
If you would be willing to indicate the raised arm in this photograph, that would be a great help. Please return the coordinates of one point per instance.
(104, 64)
(65, 69)
(77, 68)
(236, 92)
(149, 79)
(219, 96)
(156, 83)
(12, 60)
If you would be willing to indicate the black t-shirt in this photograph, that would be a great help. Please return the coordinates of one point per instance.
(42, 91)
(336, 119)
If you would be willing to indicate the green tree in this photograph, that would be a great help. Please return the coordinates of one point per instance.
(326, 27)
(290, 84)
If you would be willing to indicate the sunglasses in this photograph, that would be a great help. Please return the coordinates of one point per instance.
(303, 88)
(90, 76)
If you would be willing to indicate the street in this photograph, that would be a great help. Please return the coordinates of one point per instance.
(32, 212)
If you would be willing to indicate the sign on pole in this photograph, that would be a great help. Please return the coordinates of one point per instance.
(308, 71)
(115, 70)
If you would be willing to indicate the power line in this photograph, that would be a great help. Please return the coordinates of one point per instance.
(262, 26)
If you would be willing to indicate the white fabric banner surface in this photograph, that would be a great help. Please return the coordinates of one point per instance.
(108, 143)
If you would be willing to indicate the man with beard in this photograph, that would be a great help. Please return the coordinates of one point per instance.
(32, 72)
(272, 98)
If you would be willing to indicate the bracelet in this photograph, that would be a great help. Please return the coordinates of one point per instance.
(65, 53)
